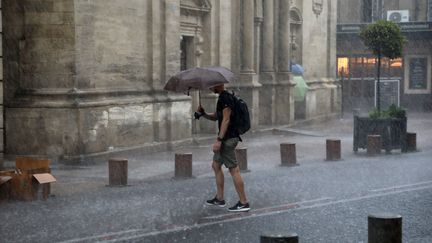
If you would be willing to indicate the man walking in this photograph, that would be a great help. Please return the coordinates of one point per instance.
(224, 150)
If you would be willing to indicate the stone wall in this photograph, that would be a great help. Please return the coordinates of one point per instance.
(80, 81)
(39, 72)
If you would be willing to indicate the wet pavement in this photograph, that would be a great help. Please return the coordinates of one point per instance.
(322, 201)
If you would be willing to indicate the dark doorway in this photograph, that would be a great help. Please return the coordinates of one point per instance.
(186, 56)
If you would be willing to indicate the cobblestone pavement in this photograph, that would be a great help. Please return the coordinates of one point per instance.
(322, 201)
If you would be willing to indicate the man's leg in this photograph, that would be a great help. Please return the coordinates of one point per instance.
(238, 183)
(219, 175)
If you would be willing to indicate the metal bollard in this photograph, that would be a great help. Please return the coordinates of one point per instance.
(411, 142)
(373, 144)
(333, 149)
(384, 228)
(118, 172)
(241, 156)
(279, 238)
(288, 154)
(183, 165)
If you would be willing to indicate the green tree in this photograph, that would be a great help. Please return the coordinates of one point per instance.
(384, 39)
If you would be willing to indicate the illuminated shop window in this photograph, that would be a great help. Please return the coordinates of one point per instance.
(343, 66)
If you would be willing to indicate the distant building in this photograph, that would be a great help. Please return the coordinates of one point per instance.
(407, 80)
(85, 78)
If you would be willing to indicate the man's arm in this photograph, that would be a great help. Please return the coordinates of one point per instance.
(226, 113)
(208, 116)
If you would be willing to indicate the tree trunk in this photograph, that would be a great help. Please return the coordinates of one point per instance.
(378, 94)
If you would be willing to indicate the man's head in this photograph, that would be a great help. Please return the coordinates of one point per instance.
(218, 89)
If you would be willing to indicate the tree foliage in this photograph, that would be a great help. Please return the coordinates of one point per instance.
(384, 38)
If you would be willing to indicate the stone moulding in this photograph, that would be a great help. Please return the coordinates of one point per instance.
(197, 6)
(75, 98)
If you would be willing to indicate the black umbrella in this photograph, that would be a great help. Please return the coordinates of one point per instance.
(199, 78)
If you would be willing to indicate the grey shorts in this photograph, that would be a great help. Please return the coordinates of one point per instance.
(226, 155)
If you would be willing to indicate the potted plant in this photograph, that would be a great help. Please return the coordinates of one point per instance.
(384, 39)
(390, 124)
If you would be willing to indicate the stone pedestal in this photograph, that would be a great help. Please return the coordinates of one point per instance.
(384, 228)
(284, 100)
(118, 172)
(333, 149)
(288, 154)
(241, 156)
(183, 165)
(279, 238)
(411, 142)
(267, 105)
(373, 144)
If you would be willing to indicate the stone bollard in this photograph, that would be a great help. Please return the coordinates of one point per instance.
(384, 228)
(241, 156)
(373, 144)
(411, 142)
(118, 172)
(183, 165)
(288, 154)
(279, 238)
(333, 149)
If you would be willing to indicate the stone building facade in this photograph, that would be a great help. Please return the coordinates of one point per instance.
(85, 78)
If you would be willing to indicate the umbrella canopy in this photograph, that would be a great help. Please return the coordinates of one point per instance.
(297, 69)
(300, 88)
(199, 78)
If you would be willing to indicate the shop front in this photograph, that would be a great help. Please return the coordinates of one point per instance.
(404, 81)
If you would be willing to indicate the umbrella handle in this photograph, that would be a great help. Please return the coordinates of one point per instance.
(199, 97)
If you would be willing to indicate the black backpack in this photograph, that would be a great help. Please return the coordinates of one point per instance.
(241, 118)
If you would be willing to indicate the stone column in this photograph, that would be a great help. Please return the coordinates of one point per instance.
(258, 23)
(267, 78)
(248, 80)
(284, 37)
(284, 96)
(155, 49)
(247, 37)
(267, 60)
